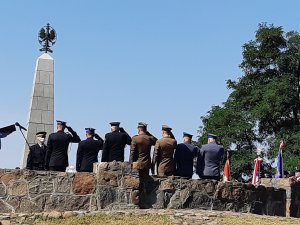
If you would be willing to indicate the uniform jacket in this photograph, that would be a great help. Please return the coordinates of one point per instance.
(163, 155)
(36, 157)
(114, 145)
(184, 159)
(87, 154)
(208, 161)
(57, 148)
(140, 150)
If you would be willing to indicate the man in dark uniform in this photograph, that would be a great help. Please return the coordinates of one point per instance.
(37, 153)
(87, 152)
(209, 157)
(57, 147)
(184, 157)
(140, 150)
(114, 143)
(164, 153)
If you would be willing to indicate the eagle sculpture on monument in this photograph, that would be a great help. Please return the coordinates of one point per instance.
(47, 38)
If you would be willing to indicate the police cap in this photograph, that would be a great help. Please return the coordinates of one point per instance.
(90, 130)
(166, 128)
(115, 124)
(187, 135)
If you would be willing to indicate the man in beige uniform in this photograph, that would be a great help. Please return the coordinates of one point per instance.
(164, 152)
(140, 150)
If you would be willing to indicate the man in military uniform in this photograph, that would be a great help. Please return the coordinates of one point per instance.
(37, 153)
(115, 143)
(57, 147)
(140, 150)
(164, 152)
(209, 157)
(87, 152)
(184, 157)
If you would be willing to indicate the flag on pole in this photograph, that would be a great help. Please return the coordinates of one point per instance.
(226, 175)
(279, 170)
(256, 171)
(4, 131)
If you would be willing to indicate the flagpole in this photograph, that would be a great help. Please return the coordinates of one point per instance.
(24, 137)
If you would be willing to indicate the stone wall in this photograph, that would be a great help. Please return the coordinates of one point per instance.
(116, 186)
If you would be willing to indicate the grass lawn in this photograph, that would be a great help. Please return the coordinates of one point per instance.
(110, 219)
(166, 220)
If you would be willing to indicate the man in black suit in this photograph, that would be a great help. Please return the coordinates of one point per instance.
(37, 153)
(87, 152)
(114, 143)
(57, 147)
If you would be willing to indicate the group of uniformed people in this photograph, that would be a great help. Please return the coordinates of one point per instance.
(169, 158)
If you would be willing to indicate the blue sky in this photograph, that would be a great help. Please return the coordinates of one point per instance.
(161, 62)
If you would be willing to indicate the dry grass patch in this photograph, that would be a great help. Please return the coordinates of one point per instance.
(259, 220)
(110, 219)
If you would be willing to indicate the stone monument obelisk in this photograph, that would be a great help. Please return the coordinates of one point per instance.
(41, 110)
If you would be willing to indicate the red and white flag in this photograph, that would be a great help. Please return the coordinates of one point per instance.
(256, 171)
(226, 175)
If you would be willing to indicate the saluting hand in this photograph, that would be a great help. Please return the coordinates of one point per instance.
(98, 137)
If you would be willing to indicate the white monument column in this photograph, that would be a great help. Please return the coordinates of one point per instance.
(41, 110)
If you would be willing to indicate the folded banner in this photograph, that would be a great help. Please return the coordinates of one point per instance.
(279, 170)
(4, 131)
(226, 176)
(255, 178)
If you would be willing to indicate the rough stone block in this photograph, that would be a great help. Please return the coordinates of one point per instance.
(107, 178)
(27, 206)
(105, 196)
(62, 184)
(2, 190)
(40, 200)
(123, 195)
(115, 166)
(166, 185)
(55, 215)
(67, 203)
(131, 182)
(199, 200)
(179, 198)
(18, 188)
(84, 183)
(6, 178)
(5, 208)
(40, 185)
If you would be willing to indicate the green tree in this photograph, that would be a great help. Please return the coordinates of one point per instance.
(264, 105)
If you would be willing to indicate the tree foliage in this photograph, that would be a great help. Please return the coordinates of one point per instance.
(264, 104)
